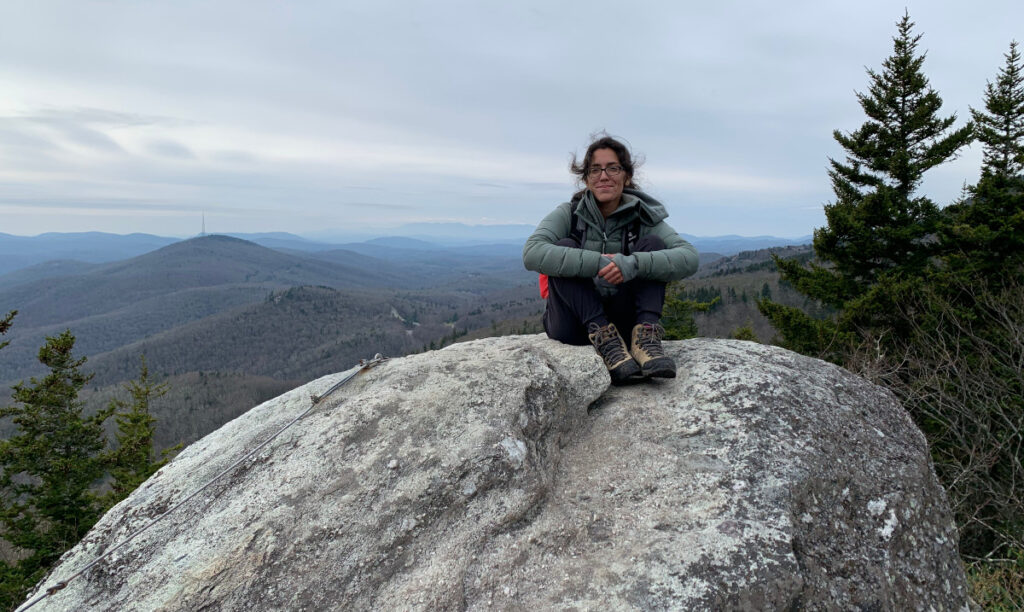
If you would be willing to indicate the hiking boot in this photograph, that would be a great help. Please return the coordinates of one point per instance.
(647, 351)
(612, 348)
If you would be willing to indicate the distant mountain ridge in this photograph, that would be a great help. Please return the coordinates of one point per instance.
(20, 252)
(732, 245)
(17, 252)
(113, 305)
(189, 264)
(753, 259)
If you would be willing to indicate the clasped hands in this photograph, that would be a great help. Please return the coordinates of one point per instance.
(611, 273)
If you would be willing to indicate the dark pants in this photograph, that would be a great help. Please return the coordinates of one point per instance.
(573, 302)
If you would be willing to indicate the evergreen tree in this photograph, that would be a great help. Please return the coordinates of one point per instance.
(48, 466)
(805, 334)
(967, 382)
(677, 317)
(1000, 127)
(133, 461)
(745, 332)
(879, 233)
(983, 235)
(5, 325)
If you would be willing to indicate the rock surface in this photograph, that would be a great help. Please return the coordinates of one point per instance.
(506, 474)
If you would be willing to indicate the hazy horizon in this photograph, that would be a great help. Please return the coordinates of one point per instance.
(318, 236)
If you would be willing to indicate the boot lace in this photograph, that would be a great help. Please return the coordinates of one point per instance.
(606, 340)
(649, 339)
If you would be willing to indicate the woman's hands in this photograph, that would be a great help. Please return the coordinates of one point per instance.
(611, 272)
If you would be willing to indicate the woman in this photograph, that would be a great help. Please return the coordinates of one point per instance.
(608, 255)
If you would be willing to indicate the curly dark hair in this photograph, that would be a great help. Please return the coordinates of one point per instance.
(602, 140)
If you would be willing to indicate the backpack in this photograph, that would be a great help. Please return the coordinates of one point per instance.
(578, 232)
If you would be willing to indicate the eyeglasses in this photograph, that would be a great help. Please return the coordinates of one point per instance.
(612, 171)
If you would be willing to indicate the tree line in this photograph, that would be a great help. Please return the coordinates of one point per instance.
(929, 301)
(58, 472)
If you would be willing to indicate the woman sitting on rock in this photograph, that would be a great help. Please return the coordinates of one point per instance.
(607, 255)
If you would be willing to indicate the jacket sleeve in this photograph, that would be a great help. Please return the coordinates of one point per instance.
(678, 260)
(540, 254)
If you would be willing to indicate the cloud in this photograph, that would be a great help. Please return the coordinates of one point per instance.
(89, 138)
(104, 117)
(18, 134)
(233, 157)
(727, 180)
(169, 149)
(104, 205)
(454, 109)
(53, 131)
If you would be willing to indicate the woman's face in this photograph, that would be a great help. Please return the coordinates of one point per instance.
(606, 189)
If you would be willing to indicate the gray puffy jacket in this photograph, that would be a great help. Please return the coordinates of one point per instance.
(678, 260)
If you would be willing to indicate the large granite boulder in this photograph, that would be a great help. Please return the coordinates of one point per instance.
(506, 474)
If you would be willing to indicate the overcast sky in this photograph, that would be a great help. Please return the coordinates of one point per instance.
(307, 117)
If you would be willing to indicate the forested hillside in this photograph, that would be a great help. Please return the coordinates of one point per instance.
(735, 284)
(230, 323)
(304, 332)
(196, 403)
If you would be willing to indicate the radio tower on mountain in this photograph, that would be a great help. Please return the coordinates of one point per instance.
(203, 233)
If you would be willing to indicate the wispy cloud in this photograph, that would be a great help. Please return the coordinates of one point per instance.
(170, 149)
(729, 180)
(106, 206)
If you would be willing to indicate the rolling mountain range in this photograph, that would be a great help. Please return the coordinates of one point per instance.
(120, 303)
(247, 316)
(229, 322)
(19, 252)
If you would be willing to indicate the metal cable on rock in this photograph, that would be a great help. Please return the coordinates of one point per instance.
(364, 365)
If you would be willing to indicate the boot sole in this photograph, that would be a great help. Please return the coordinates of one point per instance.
(659, 368)
(660, 373)
(625, 374)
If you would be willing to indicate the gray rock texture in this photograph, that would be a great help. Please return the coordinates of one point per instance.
(506, 474)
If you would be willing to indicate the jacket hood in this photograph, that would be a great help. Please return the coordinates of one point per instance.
(650, 210)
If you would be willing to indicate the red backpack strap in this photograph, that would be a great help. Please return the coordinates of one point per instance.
(578, 232)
